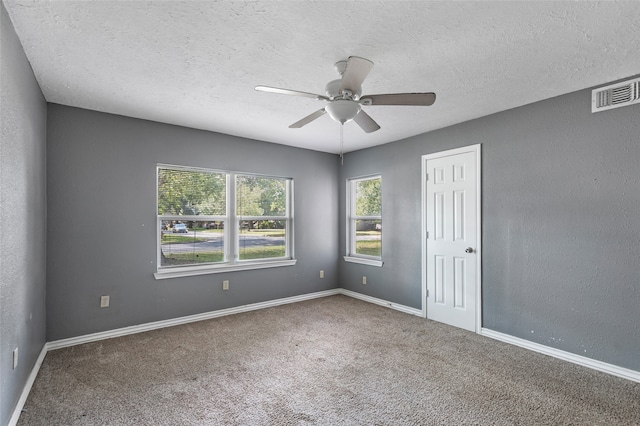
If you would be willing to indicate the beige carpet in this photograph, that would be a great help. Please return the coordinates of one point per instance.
(329, 361)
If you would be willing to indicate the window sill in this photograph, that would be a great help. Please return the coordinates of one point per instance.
(218, 269)
(364, 261)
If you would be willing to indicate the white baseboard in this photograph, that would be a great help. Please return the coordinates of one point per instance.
(87, 338)
(625, 373)
(63, 343)
(140, 328)
(27, 387)
(376, 301)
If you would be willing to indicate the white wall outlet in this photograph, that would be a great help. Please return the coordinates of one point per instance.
(225, 285)
(321, 274)
(104, 301)
(364, 280)
(15, 358)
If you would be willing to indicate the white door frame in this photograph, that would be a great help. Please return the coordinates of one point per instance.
(478, 250)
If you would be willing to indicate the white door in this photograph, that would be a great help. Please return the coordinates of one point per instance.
(452, 237)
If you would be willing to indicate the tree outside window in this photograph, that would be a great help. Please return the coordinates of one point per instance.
(365, 217)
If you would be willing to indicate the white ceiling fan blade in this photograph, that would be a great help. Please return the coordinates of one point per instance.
(291, 92)
(308, 119)
(411, 99)
(355, 72)
(366, 122)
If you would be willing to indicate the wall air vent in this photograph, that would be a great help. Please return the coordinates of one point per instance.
(616, 95)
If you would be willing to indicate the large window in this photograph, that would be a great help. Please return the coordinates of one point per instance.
(214, 221)
(364, 220)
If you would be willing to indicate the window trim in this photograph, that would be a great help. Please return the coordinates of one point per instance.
(231, 220)
(216, 268)
(352, 256)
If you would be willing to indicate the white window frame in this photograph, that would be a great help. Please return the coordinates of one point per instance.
(231, 221)
(351, 219)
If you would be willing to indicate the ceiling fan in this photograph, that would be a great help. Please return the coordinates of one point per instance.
(344, 96)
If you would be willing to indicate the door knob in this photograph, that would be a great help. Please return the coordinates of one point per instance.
(468, 250)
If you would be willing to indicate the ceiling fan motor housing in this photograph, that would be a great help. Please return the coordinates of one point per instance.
(332, 90)
(341, 66)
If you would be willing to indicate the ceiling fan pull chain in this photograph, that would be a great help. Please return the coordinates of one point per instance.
(341, 144)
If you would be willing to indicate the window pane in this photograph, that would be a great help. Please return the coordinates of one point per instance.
(191, 242)
(183, 192)
(261, 196)
(262, 239)
(368, 197)
(369, 237)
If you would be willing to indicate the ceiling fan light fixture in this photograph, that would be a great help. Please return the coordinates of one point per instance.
(343, 110)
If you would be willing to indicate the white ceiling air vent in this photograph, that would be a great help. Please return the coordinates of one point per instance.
(616, 95)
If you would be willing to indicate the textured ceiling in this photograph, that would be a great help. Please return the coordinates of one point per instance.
(196, 64)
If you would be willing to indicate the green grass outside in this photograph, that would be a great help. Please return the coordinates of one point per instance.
(179, 239)
(217, 256)
(264, 232)
(192, 258)
(262, 252)
(369, 247)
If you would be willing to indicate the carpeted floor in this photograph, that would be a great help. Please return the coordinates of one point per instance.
(329, 361)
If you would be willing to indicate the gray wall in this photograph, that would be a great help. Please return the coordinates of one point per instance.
(561, 196)
(102, 212)
(22, 215)
(560, 223)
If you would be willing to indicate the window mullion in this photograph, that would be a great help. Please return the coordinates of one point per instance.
(289, 223)
(379, 217)
(352, 240)
(232, 246)
(261, 218)
(195, 218)
(352, 210)
(349, 196)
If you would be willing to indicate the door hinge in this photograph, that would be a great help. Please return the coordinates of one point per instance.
(427, 293)
(426, 177)
(427, 234)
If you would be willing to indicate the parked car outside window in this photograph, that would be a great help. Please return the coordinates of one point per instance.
(180, 227)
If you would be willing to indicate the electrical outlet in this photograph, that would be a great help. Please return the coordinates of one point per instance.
(104, 301)
(225, 285)
(321, 274)
(15, 358)
(364, 280)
